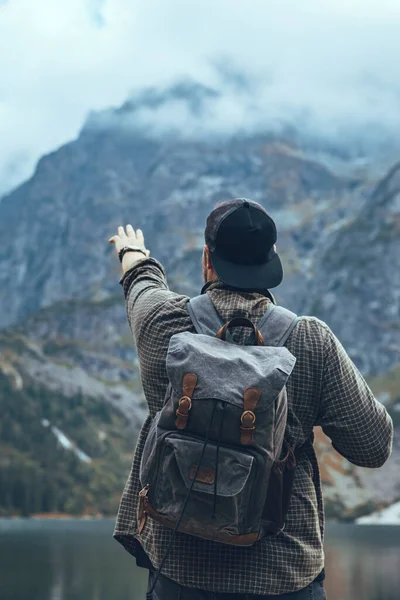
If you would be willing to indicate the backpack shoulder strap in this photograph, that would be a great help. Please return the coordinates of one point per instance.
(277, 324)
(204, 315)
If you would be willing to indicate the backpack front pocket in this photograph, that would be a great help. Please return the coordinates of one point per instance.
(218, 503)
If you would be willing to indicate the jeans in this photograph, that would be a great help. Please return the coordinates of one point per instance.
(166, 589)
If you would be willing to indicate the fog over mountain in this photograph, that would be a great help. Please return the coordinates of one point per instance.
(329, 69)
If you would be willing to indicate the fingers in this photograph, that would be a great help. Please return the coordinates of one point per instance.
(140, 237)
(137, 236)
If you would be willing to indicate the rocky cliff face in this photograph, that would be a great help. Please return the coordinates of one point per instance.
(355, 283)
(61, 219)
(65, 340)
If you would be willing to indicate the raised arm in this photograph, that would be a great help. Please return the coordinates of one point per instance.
(144, 283)
(154, 314)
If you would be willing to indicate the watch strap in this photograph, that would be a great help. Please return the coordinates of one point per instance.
(126, 249)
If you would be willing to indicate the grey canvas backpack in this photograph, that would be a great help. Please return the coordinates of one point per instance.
(215, 463)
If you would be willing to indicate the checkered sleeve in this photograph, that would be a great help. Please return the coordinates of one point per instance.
(155, 313)
(146, 291)
(359, 426)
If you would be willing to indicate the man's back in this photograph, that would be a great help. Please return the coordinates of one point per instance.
(324, 389)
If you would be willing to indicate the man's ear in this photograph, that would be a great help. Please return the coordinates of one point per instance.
(207, 257)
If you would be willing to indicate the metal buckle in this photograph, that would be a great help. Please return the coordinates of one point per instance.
(248, 412)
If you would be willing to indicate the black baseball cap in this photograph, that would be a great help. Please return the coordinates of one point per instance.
(241, 236)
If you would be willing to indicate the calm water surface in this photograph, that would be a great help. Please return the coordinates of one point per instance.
(79, 560)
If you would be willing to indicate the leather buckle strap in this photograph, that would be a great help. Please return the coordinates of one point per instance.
(142, 514)
(185, 403)
(182, 412)
(248, 418)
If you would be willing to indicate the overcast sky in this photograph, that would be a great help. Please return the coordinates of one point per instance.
(337, 60)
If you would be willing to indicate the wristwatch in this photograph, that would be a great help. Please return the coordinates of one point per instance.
(130, 249)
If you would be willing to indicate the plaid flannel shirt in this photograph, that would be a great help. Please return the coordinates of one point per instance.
(325, 389)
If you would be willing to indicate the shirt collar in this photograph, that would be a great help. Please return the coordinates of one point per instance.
(218, 284)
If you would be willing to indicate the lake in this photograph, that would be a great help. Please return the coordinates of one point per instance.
(79, 560)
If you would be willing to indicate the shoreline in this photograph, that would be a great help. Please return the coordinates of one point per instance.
(63, 517)
(55, 517)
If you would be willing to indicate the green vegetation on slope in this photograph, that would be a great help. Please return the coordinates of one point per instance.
(38, 475)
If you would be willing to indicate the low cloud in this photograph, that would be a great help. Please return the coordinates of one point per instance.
(330, 67)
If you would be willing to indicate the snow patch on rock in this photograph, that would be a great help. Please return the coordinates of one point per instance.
(66, 443)
(387, 516)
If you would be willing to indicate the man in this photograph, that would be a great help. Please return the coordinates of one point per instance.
(240, 265)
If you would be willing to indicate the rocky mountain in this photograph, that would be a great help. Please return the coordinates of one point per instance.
(68, 369)
(80, 193)
(355, 283)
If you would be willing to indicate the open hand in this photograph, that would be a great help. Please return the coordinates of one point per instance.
(130, 237)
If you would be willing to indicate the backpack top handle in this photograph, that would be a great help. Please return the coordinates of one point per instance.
(241, 322)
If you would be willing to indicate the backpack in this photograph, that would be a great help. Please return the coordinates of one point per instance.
(215, 463)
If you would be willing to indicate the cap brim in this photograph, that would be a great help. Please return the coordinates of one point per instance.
(249, 277)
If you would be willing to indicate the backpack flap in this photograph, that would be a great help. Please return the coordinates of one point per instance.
(224, 372)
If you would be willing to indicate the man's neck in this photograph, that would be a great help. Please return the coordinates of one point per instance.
(217, 283)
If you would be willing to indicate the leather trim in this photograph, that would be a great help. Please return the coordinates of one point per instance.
(235, 540)
(248, 418)
(243, 322)
(204, 474)
(189, 382)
